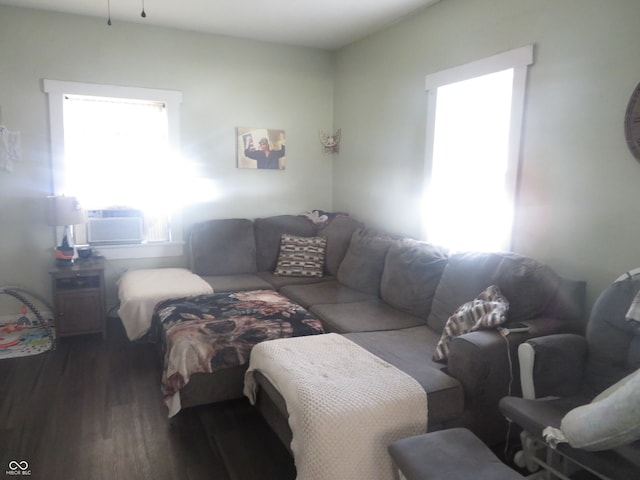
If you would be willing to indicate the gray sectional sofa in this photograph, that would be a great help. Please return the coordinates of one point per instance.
(392, 296)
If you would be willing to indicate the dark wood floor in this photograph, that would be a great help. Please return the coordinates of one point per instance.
(92, 410)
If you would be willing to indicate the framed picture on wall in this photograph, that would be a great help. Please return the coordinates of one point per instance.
(261, 148)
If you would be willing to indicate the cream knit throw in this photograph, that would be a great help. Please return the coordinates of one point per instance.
(140, 290)
(345, 405)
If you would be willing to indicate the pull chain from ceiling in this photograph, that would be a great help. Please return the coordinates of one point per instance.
(143, 14)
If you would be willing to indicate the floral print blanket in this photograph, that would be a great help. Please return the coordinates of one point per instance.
(205, 333)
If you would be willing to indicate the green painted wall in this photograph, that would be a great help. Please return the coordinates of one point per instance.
(226, 83)
(579, 191)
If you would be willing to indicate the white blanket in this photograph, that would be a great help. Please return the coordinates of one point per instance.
(345, 405)
(140, 290)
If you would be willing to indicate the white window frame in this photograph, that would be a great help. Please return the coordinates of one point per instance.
(517, 59)
(56, 90)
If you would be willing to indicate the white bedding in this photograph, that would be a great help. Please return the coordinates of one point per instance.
(345, 405)
(140, 290)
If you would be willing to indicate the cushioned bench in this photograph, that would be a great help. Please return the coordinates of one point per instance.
(453, 454)
(345, 404)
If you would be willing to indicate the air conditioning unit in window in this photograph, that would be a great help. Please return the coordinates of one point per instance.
(114, 226)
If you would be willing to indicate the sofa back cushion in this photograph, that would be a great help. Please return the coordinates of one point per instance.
(527, 284)
(338, 233)
(268, 232)
(412, 271)
(363, 263)
(569, 305)
(222, 247)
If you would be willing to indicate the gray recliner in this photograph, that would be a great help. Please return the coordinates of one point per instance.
(582, 395)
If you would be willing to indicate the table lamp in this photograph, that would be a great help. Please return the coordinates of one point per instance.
(65, 212)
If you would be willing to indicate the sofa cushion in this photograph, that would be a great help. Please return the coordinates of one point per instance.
(410, 350)
(363, 263)
(268, 232)
(569, 304)
(529, 285)
(279, 281)
(338, 233)
(488, 310)
(235, 283)
(301, 256)
(323, 292)
(412, 271)
(363, 316)
(223, 247)
(453, 453)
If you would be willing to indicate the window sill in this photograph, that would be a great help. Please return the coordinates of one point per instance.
(143, 250)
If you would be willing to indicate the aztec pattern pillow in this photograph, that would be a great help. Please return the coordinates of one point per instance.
(301, 256)
(488, 310)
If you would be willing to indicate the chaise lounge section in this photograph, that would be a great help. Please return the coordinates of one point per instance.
(393, 297)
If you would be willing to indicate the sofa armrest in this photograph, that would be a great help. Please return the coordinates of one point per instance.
(486, 364)
(476, 358)
(552, 365)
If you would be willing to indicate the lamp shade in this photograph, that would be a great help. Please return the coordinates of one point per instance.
(64, 211)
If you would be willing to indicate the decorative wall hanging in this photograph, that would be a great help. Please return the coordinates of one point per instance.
(261, 148)
(632, 123)
(9, 149)
(330, 143)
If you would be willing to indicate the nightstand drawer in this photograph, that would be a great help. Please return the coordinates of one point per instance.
(78, 282)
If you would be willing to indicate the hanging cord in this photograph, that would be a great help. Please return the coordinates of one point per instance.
(15, 292)
(143, 14)
(504, 334)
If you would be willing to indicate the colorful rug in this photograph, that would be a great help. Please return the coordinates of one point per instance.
(24, 336)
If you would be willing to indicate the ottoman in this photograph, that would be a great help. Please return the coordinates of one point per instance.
(345, 405)
(453, 454)
(140, 290)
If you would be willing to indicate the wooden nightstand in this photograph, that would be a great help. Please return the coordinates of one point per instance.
(79, 298)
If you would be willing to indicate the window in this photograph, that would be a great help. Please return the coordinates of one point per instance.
(473, 137)
(117, 147)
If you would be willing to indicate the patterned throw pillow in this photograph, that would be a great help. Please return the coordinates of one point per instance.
(301, 256)
(488, 310)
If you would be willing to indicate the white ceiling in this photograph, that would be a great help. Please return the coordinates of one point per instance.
(327, 24)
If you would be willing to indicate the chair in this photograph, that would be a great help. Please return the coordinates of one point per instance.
(562, 372)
